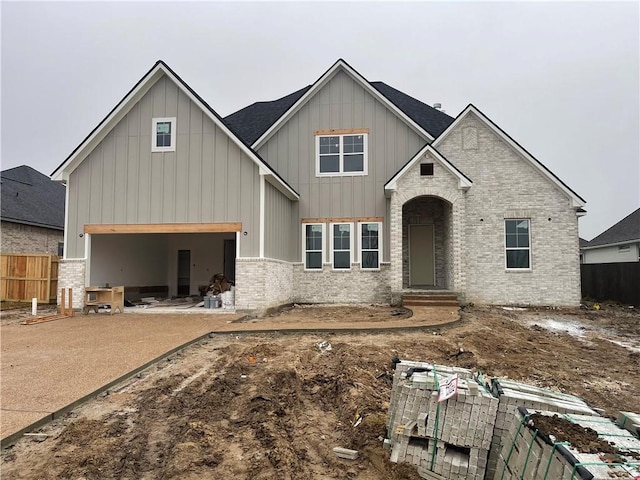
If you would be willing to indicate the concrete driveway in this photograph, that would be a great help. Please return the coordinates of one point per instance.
(49, 366)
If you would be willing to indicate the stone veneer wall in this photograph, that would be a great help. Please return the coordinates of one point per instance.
(427, 211)
(262, 283)
(19, 238)
(348, 286)
(71, 274)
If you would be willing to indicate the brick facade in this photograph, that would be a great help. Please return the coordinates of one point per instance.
(20, 238)
(71, 274)
(262, 283)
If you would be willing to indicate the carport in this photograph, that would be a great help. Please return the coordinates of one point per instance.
(168, 259)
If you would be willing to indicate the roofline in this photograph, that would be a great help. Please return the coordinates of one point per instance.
(613, 244)
(464, 182)
(127, 102)
(577, 200)
(33, 224)
(324, 78)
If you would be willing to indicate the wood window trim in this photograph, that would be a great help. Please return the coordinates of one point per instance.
(114, 228)
(347, 131)
(343, 220)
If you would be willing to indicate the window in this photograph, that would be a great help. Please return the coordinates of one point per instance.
(163, 135)
(341, 245)
(517, 243)
(426, 169)
(341, 155)
(313, 248)
(370, 245)
(624, 248)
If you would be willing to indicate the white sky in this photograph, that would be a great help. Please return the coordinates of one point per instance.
(561, 78)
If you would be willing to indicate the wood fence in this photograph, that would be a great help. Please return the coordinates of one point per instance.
(619, 282)
(27, 276)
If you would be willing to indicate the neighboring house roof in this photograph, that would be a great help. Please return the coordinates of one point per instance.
(576, 199)
(583, 242)
(252, 121)
(343, 66)
(132, 97)
(31, 198)
(625, 231)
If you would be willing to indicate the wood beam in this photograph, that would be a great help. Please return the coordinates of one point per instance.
(229, 227)
(344, 131)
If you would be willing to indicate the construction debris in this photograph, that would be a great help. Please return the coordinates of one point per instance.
(218, 284)
(65, 310)
(345, 453)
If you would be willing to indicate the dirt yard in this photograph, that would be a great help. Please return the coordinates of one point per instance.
(272, 406)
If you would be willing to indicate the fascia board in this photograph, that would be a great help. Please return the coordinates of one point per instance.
(614, 244)
(323, 80)
(61, 174)
(463, 181)
(576, 200)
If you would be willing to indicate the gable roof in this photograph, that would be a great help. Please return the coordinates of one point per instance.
(252, 121)
(577, 200)
(464, 182)
(31, 198)
(340, 65)
(626, 230)
(132, 97)
(431, 119)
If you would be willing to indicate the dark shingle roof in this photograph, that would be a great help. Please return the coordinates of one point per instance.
(627, 229)
(32, 198)
(252, 121)
(432, 120)
(583, 242)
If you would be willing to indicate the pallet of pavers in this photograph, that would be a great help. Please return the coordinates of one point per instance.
(543, 445)
(514, 394)
(448, 439)
(629, 421)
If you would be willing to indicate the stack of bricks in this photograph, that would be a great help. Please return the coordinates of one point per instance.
(531, 454)
(512, 395)
(629, 421)
(450, 438)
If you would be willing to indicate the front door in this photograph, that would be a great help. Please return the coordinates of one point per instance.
(421, 255)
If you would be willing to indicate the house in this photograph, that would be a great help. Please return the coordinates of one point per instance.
(32, 212)
(619, 243)
(343, 191)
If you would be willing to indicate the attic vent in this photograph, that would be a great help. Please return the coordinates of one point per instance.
(426, 169)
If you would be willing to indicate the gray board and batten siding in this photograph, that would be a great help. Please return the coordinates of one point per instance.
(280, 226)
(207, 179)
(342, 103)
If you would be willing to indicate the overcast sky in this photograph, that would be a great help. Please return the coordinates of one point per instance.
(560, 78)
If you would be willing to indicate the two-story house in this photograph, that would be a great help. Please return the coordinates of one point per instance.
(344, 191)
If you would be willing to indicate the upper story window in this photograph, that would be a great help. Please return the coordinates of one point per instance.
(341, 153)
(163, 135)
(518, 243)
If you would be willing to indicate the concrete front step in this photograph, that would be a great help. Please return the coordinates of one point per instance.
(430, 303)
(430, 299)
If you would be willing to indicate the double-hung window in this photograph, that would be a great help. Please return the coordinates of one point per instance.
(518, 243)
(313, 245)
(370, 245)
(163, 135)
(341, 245)
(341, 155)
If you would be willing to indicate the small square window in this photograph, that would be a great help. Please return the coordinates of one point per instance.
(426, 169)
(163, 135)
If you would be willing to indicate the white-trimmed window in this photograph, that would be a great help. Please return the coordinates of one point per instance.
(518, 243)
(370, 235)
(313, 245)
(341, 155)
(163, 135)
(341, 245)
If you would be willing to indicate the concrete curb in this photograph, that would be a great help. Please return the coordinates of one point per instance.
(14, 437)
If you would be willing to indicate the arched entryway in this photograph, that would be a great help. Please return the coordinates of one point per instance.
(427, 235)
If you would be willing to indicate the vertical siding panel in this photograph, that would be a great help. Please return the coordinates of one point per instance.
(84, 191)
(157, 187)
(133, 174)
(145, 168)
(108, 181)
(159, 98)
(207, 184)
(121, 150)
(181, 168)
(171, 99)
(233, 181)
(221, 178)
(95, 184)
(194, 211)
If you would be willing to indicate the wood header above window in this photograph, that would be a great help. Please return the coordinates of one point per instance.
(342, 220)
(164, 228)
(348, 131)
